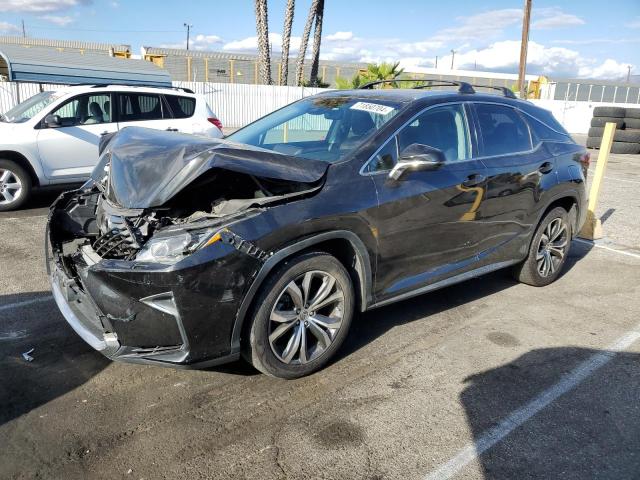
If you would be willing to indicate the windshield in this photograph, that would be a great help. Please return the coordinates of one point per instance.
(325, 128)
(26, 110)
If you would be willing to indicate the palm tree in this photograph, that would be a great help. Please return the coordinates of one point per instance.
(383, 71)
(286, 40)
(317, 39)
(262, 30)
(304, 42)
(348, 84)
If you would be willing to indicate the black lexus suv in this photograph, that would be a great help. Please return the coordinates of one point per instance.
(188, 251)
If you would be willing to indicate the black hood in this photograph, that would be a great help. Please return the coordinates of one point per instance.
(148, 167)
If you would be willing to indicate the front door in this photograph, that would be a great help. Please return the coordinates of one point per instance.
(428, 222)
(70, 151)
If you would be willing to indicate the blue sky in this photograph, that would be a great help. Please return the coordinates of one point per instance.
(568, 38)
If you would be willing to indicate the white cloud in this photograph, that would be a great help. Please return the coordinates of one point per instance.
(8, 28)
(554, 17)
(250, 44)
(483, 25)
(609, 69)
(59, 20)
(39, 6)
(339, 36)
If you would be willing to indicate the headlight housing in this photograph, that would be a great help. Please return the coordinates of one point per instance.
(171, 249)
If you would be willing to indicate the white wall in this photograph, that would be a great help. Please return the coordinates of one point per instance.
(576, 116)
(239, 104)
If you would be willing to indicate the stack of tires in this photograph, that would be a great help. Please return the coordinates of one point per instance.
(627, 135)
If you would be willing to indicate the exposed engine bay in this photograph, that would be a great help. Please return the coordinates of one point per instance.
(177, 195)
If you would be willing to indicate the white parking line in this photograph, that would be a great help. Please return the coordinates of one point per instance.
(616, 178)
(22, 218)
(599, 245)
(25, 303)
(496, 434)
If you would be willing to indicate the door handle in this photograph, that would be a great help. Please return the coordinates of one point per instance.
(474, 180)
(546, 167)
(172, 129)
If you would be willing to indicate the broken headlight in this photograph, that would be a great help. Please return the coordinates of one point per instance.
(171, 249)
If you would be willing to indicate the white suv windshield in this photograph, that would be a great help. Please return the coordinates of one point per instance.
(325, 128)
(26, 110)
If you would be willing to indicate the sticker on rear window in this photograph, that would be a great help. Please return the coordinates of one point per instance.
(372, 108)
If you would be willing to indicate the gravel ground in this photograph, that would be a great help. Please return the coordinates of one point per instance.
(416, 385)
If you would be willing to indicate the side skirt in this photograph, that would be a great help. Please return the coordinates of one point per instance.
(446, 282)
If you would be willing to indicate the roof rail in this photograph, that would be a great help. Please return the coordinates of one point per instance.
(505, 91)
(101, 85)
(464, 87)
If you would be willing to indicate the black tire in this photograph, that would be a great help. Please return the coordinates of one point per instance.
(630, 122)
(628, 136)
(256, 346)
(602, 121)
(594, 142)
(596, 132)
(625, 148)
(632, 113)
(528, 271)
(616, 112)
(19, 173)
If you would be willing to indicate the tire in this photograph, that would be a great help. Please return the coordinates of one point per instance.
(596, 132)
(616, 112)
(602, 121)
(628, 136)
(532, 270)
(630, 122)
(594, 142)
(12, 174)
(269, 355)
(632, 113)
(625, 148)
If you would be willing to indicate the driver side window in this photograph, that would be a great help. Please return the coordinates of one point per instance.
(85, 110)
(444, 128)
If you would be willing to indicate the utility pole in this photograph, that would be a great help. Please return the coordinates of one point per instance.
(523, 49)
(24, 32)
(453, 56)
(436, 61)
(628, 73)
(188, 27)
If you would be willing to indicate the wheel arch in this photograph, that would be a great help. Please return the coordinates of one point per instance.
(346, 246)
(21, 160)
(570, 203)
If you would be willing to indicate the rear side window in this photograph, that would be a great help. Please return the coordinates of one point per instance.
(503, 130)
(181, 107)
(543, 132)
(137, 106)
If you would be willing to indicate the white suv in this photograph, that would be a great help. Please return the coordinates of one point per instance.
(52, 138)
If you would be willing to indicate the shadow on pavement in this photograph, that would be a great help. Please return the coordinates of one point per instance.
(592, 431)
(375, 323)
(61, 360)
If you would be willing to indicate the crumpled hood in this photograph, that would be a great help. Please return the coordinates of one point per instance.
(148, 167)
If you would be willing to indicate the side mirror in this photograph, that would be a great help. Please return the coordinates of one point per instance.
(417, 157)
(52, 121)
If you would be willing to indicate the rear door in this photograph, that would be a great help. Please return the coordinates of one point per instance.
(149, 110)
(428, 223)
(519, 170)
(70, 152)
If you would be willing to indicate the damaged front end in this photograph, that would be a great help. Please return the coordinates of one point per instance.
(150, 260)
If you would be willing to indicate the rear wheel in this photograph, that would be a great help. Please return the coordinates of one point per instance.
(301, 317)
(15, 185)
(548, 250)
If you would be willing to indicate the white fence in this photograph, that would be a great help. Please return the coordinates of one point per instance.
(239, 104)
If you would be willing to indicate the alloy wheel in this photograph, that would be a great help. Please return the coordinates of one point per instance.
(10, 187)
(552, 247)
(306, 317)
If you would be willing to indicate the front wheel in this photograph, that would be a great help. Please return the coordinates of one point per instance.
(301, 317)
(15, 185)
(548, 250)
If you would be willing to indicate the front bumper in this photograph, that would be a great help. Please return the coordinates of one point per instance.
(181, 317)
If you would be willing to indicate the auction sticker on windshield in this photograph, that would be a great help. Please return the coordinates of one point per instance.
(372, 108)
